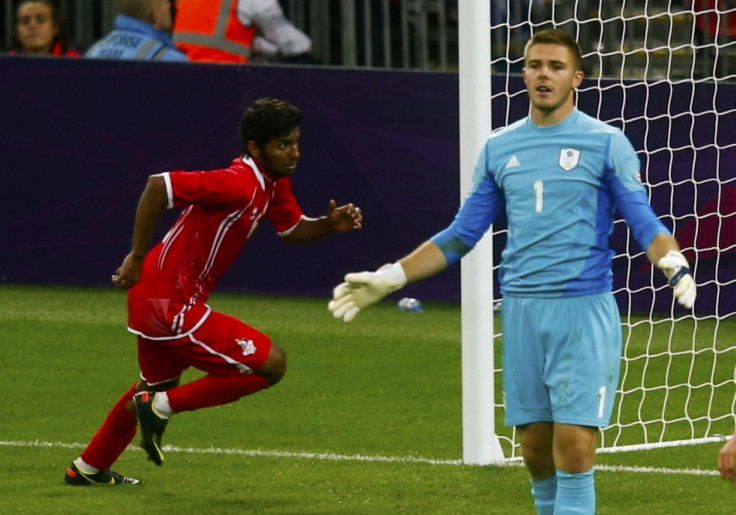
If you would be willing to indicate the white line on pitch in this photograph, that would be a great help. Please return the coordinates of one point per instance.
(326, 456)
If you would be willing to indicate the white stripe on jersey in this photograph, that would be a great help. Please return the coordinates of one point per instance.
(222, 230)
(178, 321)
(171, 236)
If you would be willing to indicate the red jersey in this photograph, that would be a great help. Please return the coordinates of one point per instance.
(58, 49)
(222, 209)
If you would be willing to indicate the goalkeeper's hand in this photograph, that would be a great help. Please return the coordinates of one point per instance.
(676, 268)
(362, 289)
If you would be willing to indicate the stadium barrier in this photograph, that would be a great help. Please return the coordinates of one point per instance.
(81, 136)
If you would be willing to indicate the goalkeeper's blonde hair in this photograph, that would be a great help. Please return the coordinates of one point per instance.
(557, 37)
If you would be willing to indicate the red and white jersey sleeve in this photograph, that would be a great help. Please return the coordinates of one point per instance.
(223, 188)
(284, 212)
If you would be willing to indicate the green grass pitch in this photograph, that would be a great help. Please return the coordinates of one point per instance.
(366, 420)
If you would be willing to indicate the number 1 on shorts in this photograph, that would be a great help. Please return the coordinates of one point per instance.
(602, 400)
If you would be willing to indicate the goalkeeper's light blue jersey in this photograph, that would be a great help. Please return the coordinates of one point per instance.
(560, 186)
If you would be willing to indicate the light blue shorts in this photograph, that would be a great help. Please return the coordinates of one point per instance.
(561, 359)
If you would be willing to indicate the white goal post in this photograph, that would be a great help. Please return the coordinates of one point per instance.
(481, 445)
(665, 72)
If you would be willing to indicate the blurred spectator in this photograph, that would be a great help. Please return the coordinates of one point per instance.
(237, 31)
(715, 18)
(38, 30)
(715, 25)
(141, 33)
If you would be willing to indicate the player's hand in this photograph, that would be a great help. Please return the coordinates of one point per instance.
(676, 268)
(363, 289)
(129, 272)
(344, 218)
(727, 460)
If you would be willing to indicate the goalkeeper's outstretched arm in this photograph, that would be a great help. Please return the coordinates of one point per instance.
(362, 289)
(425, 261)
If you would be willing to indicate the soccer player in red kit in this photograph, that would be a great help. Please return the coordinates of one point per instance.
(169, 285)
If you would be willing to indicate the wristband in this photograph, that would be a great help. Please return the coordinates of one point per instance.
(680, 273)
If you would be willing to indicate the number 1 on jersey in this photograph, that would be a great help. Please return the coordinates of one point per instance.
(539, 190)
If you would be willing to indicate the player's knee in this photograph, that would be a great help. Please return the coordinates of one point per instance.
(536, 449)
(539, 462)
(575, 448)
(575, 460)
(274, 367)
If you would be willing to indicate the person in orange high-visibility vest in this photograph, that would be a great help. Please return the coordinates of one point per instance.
(232, 31)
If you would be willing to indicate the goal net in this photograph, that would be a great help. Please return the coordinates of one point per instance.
(665, 73)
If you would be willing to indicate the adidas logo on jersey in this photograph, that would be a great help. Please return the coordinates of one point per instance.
(513, 162)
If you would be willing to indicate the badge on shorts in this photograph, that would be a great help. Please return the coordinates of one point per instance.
(249, 348)
(569, 158)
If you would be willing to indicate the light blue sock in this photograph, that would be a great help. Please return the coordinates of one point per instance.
(575, 493)
(544, 491)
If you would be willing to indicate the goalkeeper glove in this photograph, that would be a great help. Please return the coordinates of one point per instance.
(362, 289)
(676, 268)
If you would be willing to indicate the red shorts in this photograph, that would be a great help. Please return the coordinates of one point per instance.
(222, 345)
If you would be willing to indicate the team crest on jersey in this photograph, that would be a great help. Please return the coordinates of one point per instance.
(569, 158)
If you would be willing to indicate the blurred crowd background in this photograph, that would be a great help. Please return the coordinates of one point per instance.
(673, 38)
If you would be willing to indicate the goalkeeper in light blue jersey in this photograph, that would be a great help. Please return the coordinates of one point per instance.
(559, 175)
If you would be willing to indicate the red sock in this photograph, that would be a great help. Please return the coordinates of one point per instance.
(116, 432)
(214, 391)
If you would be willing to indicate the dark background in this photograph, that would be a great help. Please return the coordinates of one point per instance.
(81, 136)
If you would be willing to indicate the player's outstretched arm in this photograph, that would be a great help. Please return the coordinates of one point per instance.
(337, 219)
(362, 289)
(665, 253)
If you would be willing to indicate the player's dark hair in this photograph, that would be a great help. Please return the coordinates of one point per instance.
(266, 119)
(557, 37)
